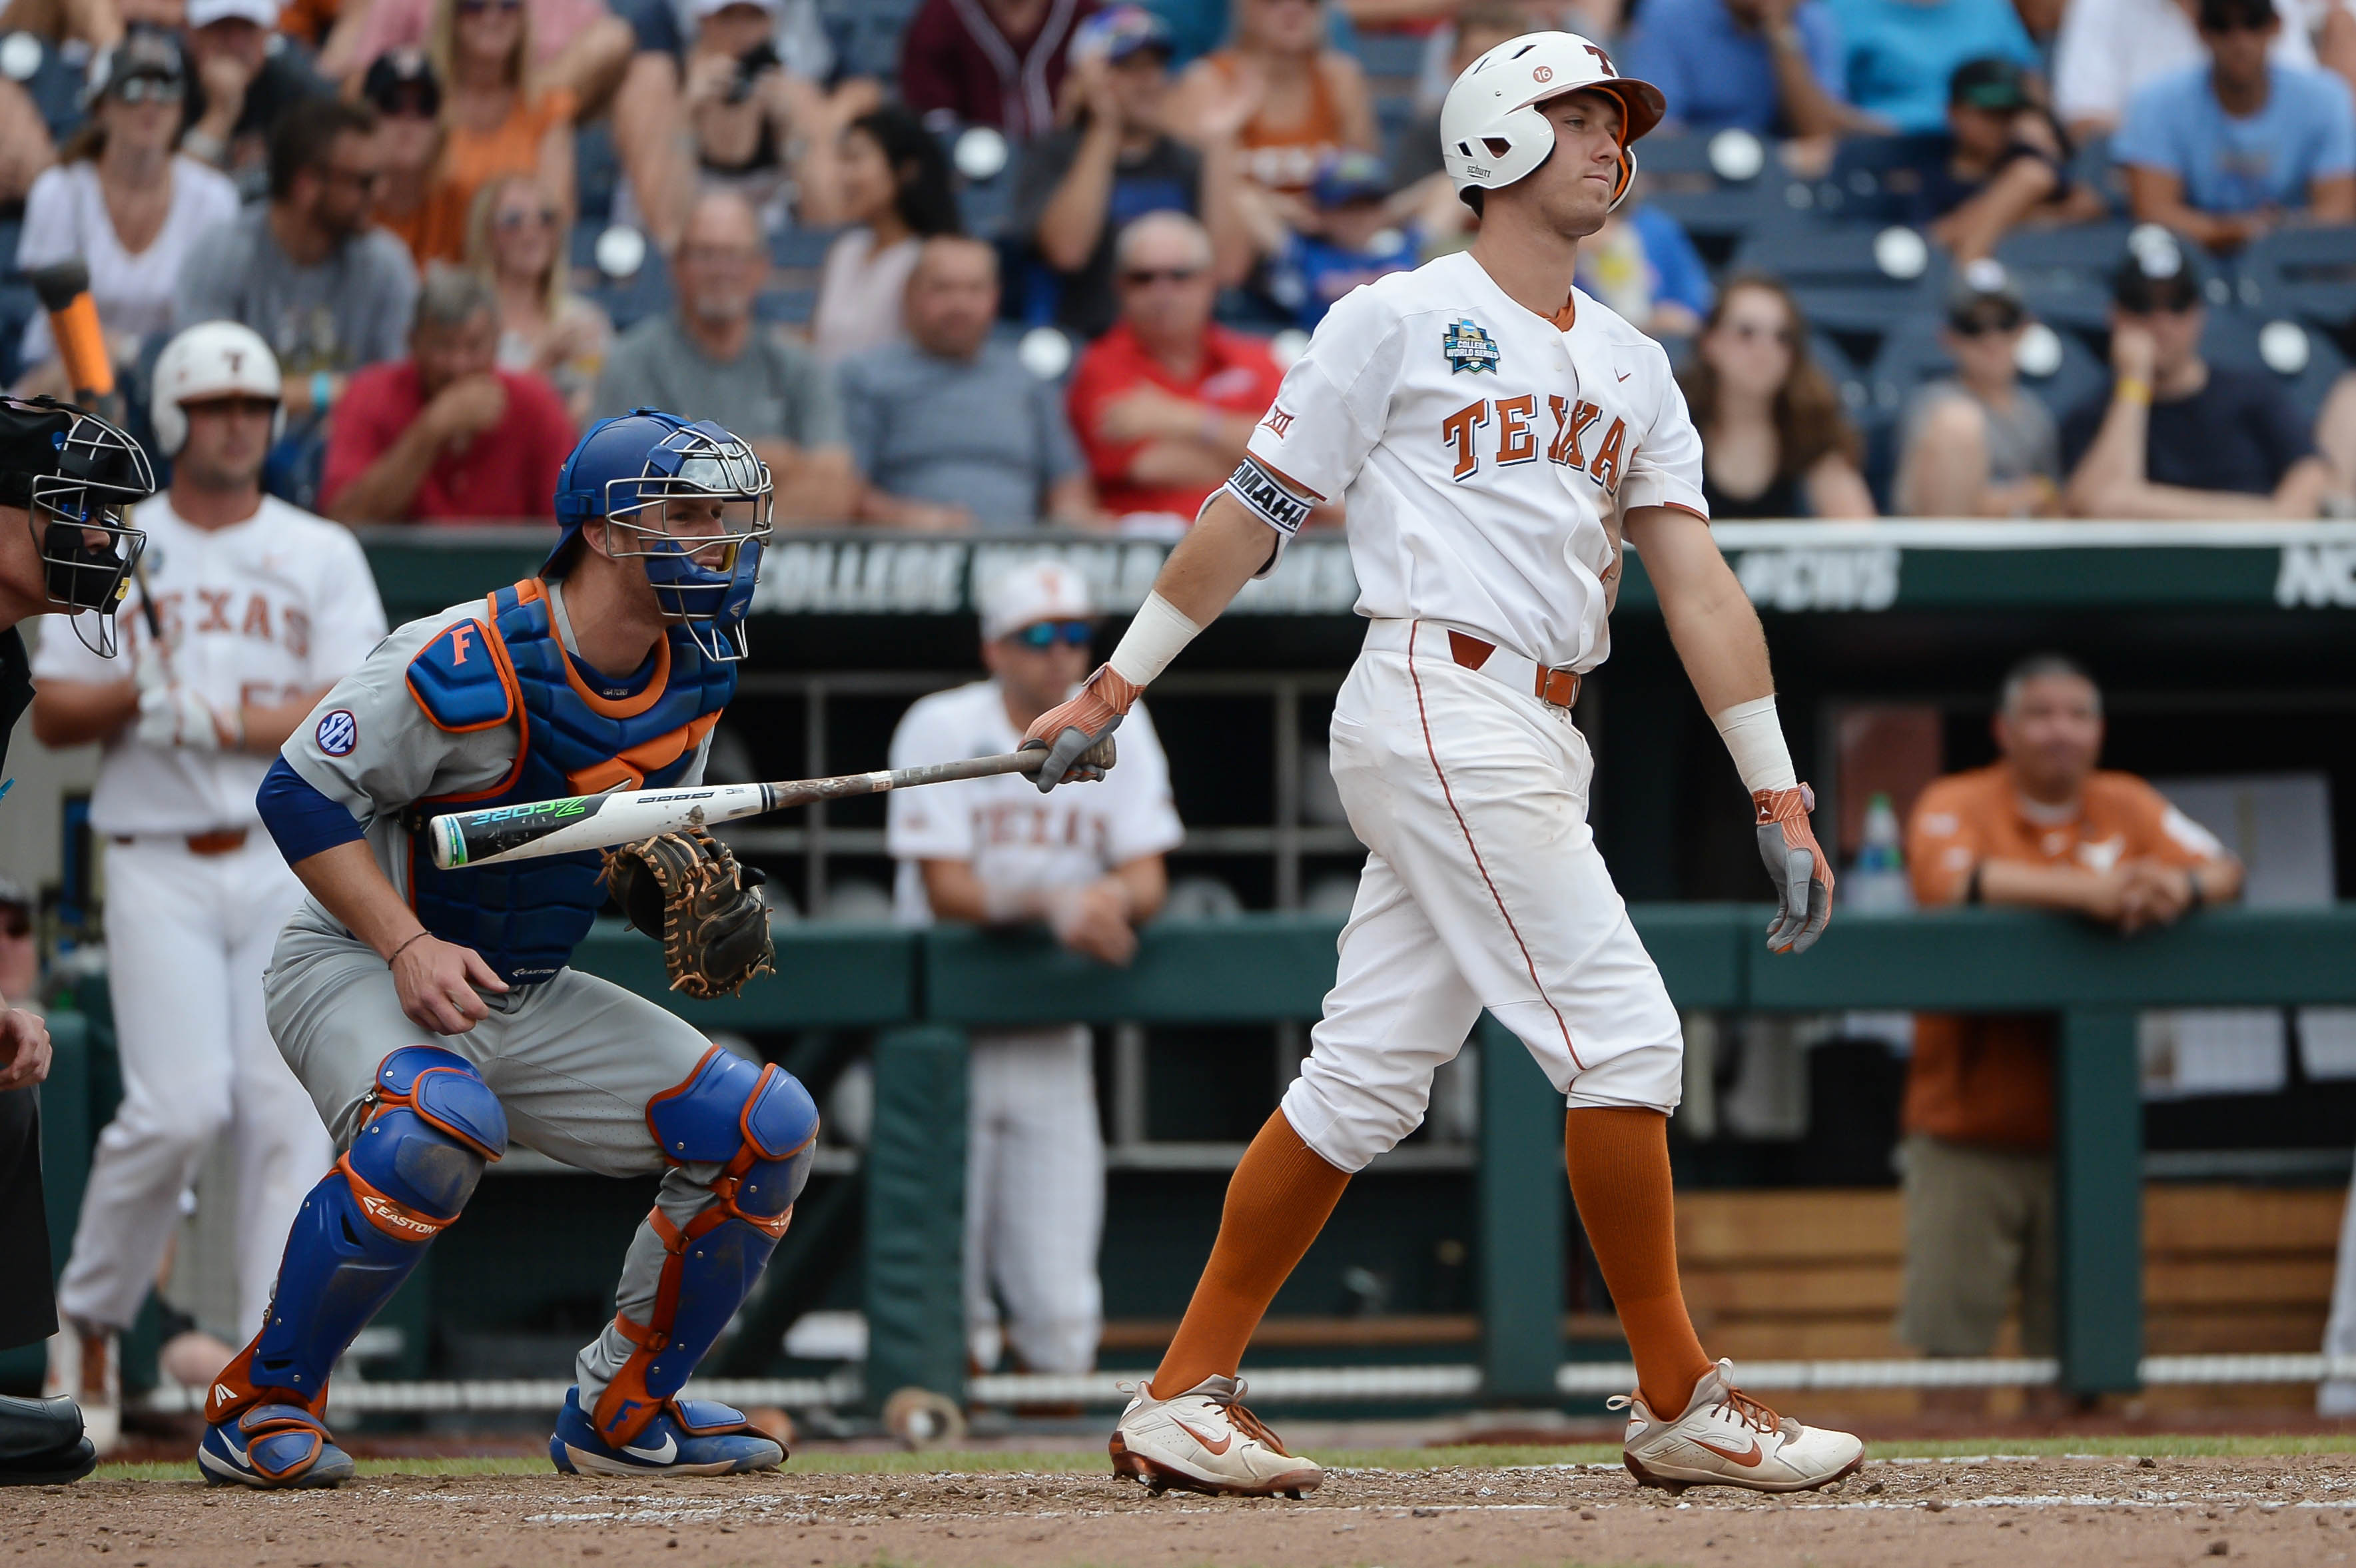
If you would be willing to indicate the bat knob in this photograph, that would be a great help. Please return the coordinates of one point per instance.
(1101, 754)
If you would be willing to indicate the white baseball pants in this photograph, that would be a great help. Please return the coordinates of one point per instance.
(187, 938)
(1034, 1176)
(1482, 890)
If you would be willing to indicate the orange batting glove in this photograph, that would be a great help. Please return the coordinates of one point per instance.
(1802, 877)
(1069, 732)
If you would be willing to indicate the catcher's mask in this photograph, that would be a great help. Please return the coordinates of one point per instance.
(75, 475)
(690, 501)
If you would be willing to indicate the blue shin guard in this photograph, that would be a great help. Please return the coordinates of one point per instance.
(760, 1126)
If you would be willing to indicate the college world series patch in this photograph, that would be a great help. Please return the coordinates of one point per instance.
(1469, 348)
(337, 733)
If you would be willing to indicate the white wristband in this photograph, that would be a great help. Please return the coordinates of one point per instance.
(1156, 638)
(1754, 738)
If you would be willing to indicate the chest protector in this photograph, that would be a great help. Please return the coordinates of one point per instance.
(525, 918)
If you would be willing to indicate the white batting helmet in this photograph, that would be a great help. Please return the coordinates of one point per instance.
(1491, 131)
(211, 358)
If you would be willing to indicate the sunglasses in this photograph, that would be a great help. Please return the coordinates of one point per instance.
(1045, 634)
(516, 217)
(1980, 326)
(2180, 305)
(1145, 277)
(1751, 332)
(149, 90)
(477, 8)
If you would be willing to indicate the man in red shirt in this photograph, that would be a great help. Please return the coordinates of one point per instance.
(445, 435)
(1164, 402)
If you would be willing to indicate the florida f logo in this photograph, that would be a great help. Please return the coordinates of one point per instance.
(1468, 347)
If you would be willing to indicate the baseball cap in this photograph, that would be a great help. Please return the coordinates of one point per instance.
(402, 82)
(1350, 175)
(2158, 274)
(1988, 83)
(1033, 592)
(1115, 34)
(2219, 16)
(262, 14)
(1984, 294)
(142, 51)
(697, 10)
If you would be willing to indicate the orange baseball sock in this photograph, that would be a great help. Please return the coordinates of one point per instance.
(1619, 1161)
(1277, 1202)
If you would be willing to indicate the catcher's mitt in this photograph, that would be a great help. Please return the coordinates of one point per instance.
(685, 890)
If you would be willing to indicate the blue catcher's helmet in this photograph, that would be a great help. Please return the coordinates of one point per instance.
(686, 498)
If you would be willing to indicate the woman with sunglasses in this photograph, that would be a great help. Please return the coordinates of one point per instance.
(120, 198)
(498, 123)
(1774, 441)
(516, 239)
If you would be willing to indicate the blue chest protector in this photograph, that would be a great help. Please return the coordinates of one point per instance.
(526, 918)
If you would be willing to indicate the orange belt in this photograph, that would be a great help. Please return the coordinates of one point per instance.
(220, 841)
(1557, 688)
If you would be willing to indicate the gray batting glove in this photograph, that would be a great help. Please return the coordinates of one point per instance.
(1075, 758)
(1797, 865)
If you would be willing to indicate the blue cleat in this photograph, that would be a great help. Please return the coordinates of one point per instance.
(270, 1447)
(690, 1437)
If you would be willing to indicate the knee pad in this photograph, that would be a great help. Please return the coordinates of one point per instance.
(757, 1122)
(432, 1125)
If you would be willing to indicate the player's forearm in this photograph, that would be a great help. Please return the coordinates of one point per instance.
(75, 713)
(1226, 548)
(346, 880)
(1711, 622)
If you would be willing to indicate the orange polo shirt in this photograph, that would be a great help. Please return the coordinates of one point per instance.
(1985, 1078)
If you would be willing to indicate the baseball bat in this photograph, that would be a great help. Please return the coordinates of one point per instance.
(599, 821)
(80, 337)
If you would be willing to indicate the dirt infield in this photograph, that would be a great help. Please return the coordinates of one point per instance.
(2107, 1512)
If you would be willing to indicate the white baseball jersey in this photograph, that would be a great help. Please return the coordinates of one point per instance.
(1479, 449)
(254, 613)
(1014, 836)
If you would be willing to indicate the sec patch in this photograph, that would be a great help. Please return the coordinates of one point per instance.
(337, 733)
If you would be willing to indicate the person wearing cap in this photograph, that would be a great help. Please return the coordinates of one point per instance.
(2000, 164)
(1978, 444)
(2176, 437)
(1087, 863)
(406, 94)
(1164, 402)
(247, 75)
(1900, 55)
(1768, 66)
(2224, 152)
(1119, 160)
(949, 429)
(1347, 236)
(2108, 50)
(123, 201)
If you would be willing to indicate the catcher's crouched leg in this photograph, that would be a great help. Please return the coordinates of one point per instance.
(759, 1125)
(430, 1125)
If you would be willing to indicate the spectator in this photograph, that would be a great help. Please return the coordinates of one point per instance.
(516, 240)
(495, 121)
(1774, 441)
(2176, 437)
(1476, 29)
(24, 146)
(714, 361)
(2335, 433)
(1082, 184)
(248, 76)
(1641, 264)
(761, 128)
(2222, 154)
(1978, 444)
(1768, 66)
(1301, 101)
(2109, 50)
(95, 24)
(2039, 827)
(445, 435)
(576, 45)
(893, 185)
(1900, 55)
(988, 62)
(407, 97)
(123, 201)
(1345, 237)
(1164, 402)
(948, 428)
(1088, 865)
(326, 292)
(2001, 163)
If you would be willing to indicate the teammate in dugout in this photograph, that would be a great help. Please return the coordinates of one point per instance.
(262, 607)
(428, 1011)
(1493, 432)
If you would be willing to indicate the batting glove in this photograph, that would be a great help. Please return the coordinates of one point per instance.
(174, 715)
(1072, 733)
(1797, 865)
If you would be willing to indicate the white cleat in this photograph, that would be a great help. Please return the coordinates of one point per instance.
(85, 1367)
(1725, 1438)
(1205, 1441)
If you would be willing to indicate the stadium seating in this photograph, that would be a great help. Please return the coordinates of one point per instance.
(2309, 273)
(2304, 362)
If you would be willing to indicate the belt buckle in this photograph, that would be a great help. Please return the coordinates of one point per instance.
(1557, 688)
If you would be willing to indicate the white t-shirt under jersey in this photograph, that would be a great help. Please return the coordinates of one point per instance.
(254, 613)
(1479, 449)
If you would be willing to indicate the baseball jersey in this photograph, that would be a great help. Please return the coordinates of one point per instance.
(1012, 835)
(254, 613)
(1479, 449)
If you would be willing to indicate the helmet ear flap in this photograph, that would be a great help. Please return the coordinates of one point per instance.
(1627, 177)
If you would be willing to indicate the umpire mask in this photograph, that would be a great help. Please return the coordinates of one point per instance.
(75, 475)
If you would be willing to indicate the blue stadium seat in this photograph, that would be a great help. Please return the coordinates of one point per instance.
(18, 306)
(2302, 271)
(54, 87)
(1720, 219)
(1828, 255)
(866, 35)
(596, 174)
(632, 299)
(1395, 122)
(12, 229)
(792, 306)
(1873, 179)
(1675, 154)
(2075, 253)
(800, 249)
(2231, 339)
(1398, 56)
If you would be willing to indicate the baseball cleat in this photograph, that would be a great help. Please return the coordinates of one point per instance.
(1726, 1438)
(85, 1367)
(269, 1446)
(1205, 1441)
(690, 1437)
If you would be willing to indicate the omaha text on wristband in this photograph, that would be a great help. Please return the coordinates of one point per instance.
(1268, 498)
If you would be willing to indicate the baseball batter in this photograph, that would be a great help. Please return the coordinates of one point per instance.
(262, 607)
(430, 1013)
(1088, 862)
(1485, 424)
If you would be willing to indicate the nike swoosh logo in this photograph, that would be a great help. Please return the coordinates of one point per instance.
(668, 1452)
(1750, 1457)
(1218, 1447)
(235, 1452)
(1625, 374)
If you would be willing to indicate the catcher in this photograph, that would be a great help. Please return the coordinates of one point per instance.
(432, 1014)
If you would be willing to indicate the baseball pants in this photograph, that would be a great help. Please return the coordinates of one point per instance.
(573, 1059)
(1482, 890)
(187, 937)
(1033, 1200)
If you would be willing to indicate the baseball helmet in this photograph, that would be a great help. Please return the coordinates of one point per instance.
(75, 475)
(629, 471)
(1492, 132)
(212, 359)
